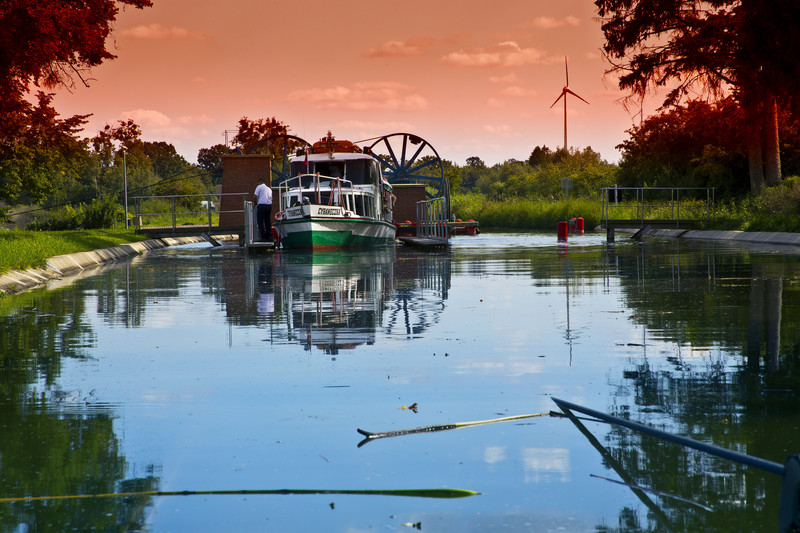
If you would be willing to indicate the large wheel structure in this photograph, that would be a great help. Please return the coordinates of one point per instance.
(285, 146)
(408, 158)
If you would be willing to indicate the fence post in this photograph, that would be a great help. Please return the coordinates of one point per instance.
(208, 206)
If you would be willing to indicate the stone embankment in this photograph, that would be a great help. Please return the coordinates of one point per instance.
(72, 264)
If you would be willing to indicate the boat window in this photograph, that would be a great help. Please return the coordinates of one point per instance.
(358, 171)
(359, 205)
(334, 170)
(298, 167)
(374, 172)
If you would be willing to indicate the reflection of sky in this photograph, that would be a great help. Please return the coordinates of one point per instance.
(543, 463)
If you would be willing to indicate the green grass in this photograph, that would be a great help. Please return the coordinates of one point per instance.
(776, 210)
(523, 213)
(26, 249)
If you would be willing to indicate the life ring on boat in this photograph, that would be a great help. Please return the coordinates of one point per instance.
(279, 215)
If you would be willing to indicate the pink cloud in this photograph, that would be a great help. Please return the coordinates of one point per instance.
(160, 32)
(505, 54)
(362, 96)
(411, 47)
(549, 23)
(508, 78)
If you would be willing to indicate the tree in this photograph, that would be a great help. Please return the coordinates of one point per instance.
(739, 45)
(540, 156)
(36, 146)
(167, 163)
(112, 141)
(45, 43)
(254, 135)
(210, 160)
(475, 162)
(698, 144)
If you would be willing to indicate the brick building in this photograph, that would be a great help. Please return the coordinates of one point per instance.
(240, 174)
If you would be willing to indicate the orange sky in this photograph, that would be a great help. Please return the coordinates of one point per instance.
(471, 77)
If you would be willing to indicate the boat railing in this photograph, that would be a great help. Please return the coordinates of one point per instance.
(317, 183)
(432, 218)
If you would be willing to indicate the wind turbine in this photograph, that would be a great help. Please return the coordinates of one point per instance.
(566, 90)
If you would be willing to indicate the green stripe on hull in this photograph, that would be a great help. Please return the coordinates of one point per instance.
(364, 234)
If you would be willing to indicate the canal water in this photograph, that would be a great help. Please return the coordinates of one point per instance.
(202, 369)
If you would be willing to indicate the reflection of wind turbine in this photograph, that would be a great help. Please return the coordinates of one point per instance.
(566, 90)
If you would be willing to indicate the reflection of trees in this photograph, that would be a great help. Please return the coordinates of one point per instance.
(52, 443)
(726, 397)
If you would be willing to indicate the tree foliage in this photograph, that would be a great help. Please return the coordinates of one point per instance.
(46, 43)
(685, 45)
(253, 136)
(49, 42)
(699, 144)
(542, 179)
(210, 160)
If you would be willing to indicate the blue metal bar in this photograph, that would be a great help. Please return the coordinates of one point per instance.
(755, 462)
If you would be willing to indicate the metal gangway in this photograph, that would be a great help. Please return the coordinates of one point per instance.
(432, 219)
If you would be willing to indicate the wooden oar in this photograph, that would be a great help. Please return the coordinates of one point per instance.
(418, 493)
(445, 427)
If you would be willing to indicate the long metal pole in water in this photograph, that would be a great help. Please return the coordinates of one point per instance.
(755, 462)
(789, 510)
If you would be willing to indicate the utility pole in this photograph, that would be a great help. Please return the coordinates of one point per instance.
(125, 179)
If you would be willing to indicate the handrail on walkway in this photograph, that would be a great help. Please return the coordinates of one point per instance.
(664, 204)
(432, 218)
(209, 204)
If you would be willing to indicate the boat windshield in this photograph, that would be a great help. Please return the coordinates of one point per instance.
(358, 172)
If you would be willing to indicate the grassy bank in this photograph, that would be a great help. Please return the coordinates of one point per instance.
(523, 213)
(25, 249)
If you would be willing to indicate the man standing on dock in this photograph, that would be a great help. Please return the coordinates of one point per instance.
(264, 209)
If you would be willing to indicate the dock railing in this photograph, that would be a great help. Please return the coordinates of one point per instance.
(432, 219)
(181, 212)
(656, 206)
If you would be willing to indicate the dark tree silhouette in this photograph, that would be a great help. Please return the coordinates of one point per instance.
(684, 45)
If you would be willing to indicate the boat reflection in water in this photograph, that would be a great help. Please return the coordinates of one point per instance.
(340, 300)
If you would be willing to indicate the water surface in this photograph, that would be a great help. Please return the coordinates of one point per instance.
(203, 369)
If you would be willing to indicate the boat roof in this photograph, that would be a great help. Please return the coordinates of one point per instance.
(329, 148)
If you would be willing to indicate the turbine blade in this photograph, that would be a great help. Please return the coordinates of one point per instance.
(570, 91)
(566, 69)
(560, 96)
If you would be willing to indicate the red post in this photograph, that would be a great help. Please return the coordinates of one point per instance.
(563, 230)
(579, 225)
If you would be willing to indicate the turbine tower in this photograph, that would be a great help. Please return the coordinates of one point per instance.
(566, 90)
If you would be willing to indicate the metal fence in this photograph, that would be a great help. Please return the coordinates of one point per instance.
(181, 210)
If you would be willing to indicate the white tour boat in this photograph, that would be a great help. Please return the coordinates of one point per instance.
(335, 198)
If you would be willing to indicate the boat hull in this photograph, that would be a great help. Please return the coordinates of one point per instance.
(320, 234)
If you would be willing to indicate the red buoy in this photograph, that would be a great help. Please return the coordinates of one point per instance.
(579, 225)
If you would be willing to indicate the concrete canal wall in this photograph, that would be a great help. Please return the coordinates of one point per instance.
(761, 237)
(71, 264)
